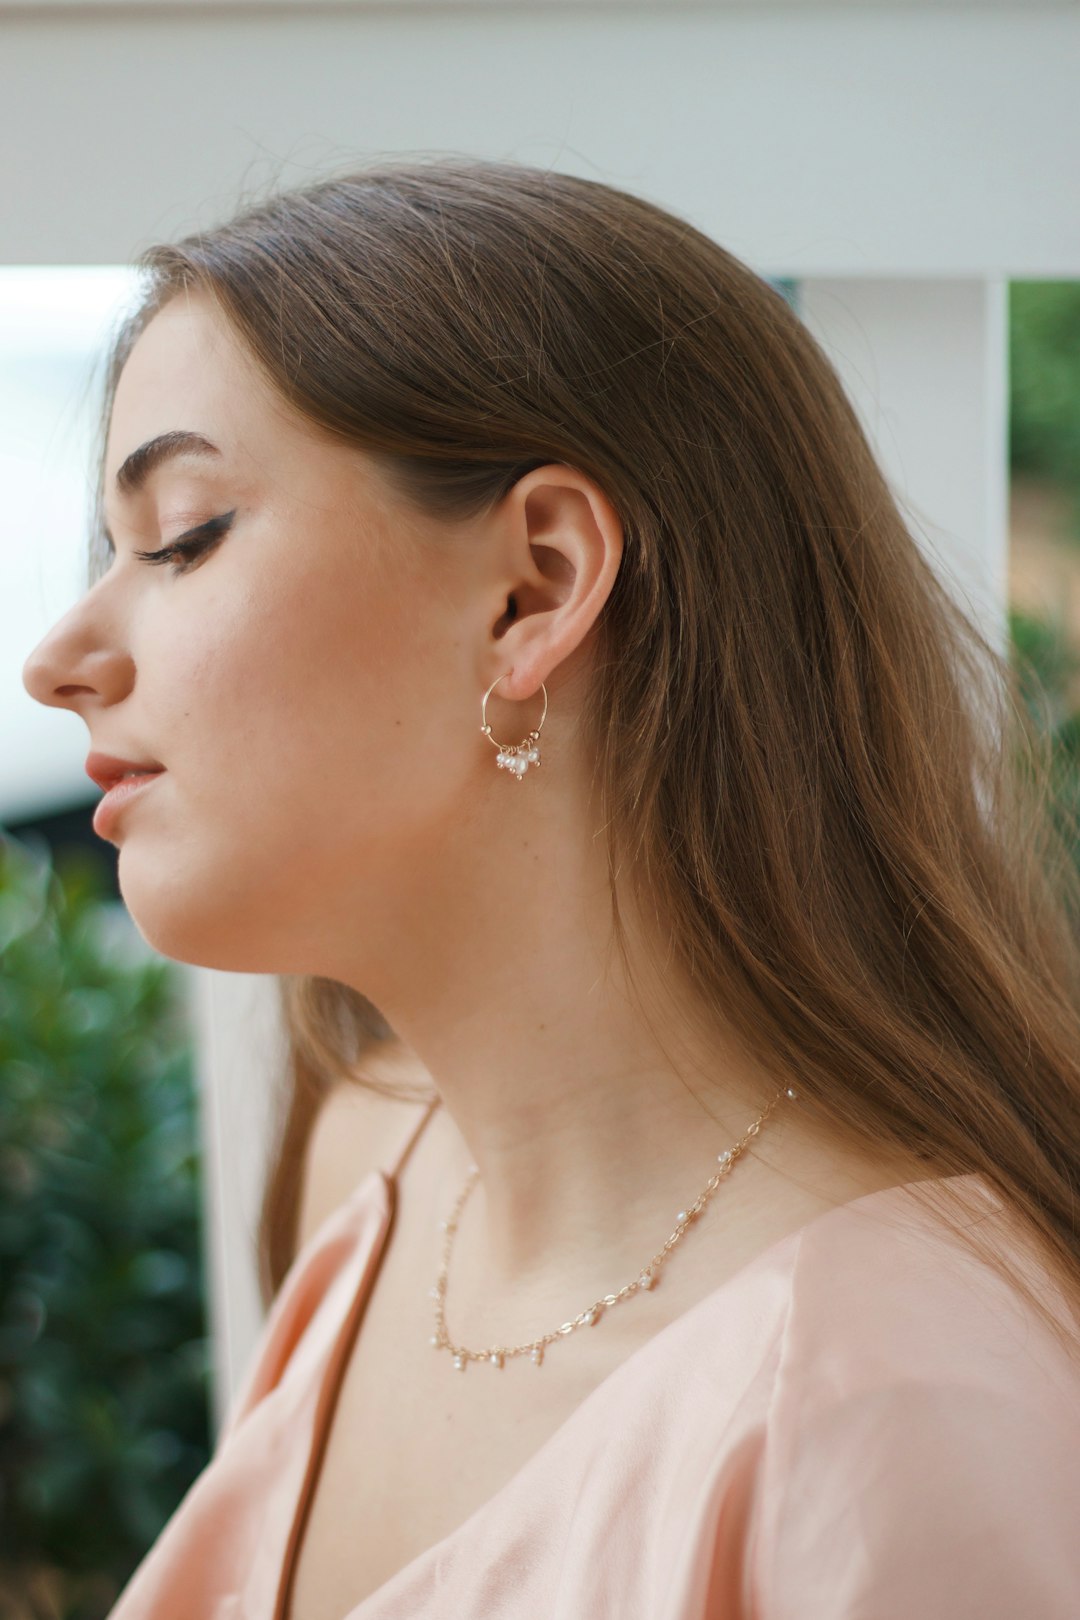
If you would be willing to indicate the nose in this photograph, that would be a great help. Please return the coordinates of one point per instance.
(42, 675)
(38, 674)
(65, 668)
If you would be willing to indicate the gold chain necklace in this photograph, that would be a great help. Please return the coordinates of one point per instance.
(647, 1278)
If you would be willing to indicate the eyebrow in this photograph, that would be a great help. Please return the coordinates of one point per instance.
(136, 469)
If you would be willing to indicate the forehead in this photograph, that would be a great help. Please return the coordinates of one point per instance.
(186, 351)
(189, 371)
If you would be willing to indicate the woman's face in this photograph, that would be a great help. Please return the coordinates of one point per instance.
(310, 683)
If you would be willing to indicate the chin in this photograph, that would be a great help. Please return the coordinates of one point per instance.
(202, 923)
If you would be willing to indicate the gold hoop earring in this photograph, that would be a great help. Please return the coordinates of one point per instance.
(514, 757)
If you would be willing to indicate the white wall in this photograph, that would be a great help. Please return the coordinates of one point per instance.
(925, 362)
(824, 140)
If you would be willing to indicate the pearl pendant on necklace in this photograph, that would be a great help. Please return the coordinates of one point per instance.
(518, 760)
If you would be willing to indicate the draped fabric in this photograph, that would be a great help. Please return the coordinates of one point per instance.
(864, 1423)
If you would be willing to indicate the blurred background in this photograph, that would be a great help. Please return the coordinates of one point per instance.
(904, 172)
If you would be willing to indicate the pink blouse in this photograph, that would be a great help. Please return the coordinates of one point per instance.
(864, 1423)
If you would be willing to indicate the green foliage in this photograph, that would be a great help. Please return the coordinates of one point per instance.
(1044, 383)
(104, 1365)
(1048, 662)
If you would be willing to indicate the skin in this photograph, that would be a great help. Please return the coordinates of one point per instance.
(313, 686)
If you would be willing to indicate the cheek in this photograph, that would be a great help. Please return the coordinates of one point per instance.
(327, 704)
(323, 754)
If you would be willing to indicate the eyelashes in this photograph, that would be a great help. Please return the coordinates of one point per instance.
(182, 553)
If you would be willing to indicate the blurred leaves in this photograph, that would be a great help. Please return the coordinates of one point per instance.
(104, 1360)
(1044, 384)
(1048, 662)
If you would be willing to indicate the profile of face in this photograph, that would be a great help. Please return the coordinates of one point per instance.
(311, 681)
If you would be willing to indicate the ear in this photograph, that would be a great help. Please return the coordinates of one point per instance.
(558, 543)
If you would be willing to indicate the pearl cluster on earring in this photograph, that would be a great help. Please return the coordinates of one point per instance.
(520, 757)
(514, 757)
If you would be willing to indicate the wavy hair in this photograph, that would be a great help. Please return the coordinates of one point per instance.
(813, 763)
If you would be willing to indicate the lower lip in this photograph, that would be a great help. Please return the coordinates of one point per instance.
(115, 800)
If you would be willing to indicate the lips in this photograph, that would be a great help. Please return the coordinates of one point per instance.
(108, 769)
(124, 793)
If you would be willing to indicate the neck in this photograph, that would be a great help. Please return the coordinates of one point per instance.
(594, 1114)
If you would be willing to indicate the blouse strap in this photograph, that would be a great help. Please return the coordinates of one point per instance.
(414, 1131)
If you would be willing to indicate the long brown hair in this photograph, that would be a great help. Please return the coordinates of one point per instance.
(812, 760)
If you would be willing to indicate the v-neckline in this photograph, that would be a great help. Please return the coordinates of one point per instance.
(344, 1344)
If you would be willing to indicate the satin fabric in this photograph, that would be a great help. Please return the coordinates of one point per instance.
(864, 1423)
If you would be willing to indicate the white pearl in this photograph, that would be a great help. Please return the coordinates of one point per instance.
(791, 1092)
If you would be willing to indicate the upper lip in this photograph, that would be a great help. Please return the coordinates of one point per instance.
(106, 770)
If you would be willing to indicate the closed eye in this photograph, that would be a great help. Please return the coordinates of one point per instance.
(183, 551)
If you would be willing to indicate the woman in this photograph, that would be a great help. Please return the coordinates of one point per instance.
(527, 646)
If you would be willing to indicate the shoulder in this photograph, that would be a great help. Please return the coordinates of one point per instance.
(922, 1450)
(905, 1279)
(357, 1130)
